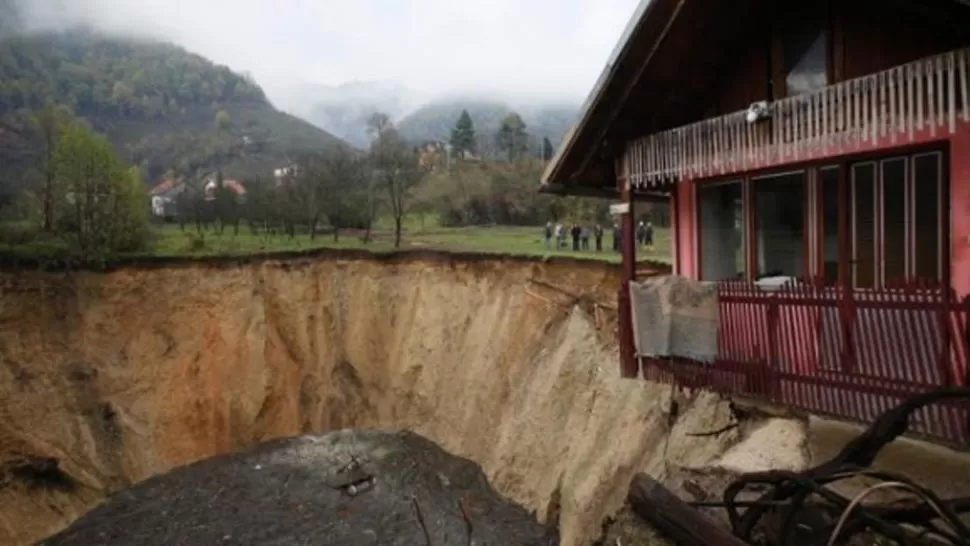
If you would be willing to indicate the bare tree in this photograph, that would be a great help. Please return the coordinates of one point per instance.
(49, 122)
(397, 172)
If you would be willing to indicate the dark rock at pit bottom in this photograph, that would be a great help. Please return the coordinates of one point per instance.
(315, 491)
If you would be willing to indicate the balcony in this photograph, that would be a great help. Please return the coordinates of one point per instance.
(850, 355)
(914, 102)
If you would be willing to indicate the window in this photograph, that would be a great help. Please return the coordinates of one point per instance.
(805, 54)
(721, 230)
(893, 212)
(829, 192)
(863, 211)
(894, 220)
(779, 203)
(897, 218)
(929, 222)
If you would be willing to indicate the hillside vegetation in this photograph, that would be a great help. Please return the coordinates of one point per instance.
(343, 110)
(161, 106)
(435, 120)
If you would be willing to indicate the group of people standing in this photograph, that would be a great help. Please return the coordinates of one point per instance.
(580, 235)
(561, 233)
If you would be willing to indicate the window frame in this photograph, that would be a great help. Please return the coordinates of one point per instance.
(746, 217)
(814, 217)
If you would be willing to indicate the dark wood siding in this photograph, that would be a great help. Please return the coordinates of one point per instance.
(865, 36)
(875, 39)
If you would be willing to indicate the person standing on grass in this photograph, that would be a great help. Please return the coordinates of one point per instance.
(641, 233)
(584, 238)
(616, 237)
(547, 236)
(576, 232)
(598, 235)
(558, 233)
(648, 236)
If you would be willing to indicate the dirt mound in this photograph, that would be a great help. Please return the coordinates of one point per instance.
(346, 487)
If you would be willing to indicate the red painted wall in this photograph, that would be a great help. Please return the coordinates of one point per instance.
(960, 211)
(686, 227)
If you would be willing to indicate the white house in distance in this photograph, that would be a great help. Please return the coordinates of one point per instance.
(164, 196)
(285, 172)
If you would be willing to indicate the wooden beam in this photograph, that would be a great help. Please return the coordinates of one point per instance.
(674, 518)
(632, 83)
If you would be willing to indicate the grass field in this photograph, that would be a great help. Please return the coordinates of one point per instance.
(170, 241)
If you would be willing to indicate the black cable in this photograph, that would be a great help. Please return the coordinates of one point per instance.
(790, 491)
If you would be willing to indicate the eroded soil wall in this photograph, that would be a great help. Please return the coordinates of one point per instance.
(122, 375)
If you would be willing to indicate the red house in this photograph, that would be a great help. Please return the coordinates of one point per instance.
(825, 141)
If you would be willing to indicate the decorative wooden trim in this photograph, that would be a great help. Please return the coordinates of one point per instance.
(883, 108)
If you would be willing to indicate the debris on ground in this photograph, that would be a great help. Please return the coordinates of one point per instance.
(346, 487)
(783, 507)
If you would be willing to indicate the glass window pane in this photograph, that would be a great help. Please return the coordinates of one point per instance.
(863, 225)
(780, 225)
(829, 180)
(927, 188)
(894, 220)
(805, 45)
(721, 231)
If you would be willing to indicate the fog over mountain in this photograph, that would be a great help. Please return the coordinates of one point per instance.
(549, 50)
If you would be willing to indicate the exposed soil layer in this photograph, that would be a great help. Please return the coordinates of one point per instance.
(108, 379)
(346, 487)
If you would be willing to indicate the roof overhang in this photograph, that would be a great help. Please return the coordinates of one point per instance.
(649, 23)
(662, 74)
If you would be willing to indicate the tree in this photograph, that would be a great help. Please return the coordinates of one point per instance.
(379, 125)
(397, 171)
(547, 149)
(100, 205)
(223, 120)
(48, 122)
(463, 135)
(512, 138)
(344, 187)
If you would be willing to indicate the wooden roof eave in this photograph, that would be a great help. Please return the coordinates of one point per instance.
(596, 99)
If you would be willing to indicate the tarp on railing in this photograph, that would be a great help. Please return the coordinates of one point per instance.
(676, 317)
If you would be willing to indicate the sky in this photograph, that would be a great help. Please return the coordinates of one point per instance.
(527, 49)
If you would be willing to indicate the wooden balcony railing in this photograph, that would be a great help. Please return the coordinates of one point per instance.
(851, 355)
(887, 107)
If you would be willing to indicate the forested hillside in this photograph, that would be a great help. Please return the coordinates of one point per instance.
(161, 106)
(435, 120)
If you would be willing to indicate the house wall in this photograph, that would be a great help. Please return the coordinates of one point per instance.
(865, 37)
(960, 211)
(687, 225)
(871, 38)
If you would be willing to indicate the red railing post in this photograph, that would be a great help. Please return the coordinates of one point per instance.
(629, 367)
(944, 357)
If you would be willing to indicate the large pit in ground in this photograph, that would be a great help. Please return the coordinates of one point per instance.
(120, 376)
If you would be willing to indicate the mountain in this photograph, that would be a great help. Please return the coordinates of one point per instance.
(343, 109)
(160, 105)
(434, 121)
(9, 18)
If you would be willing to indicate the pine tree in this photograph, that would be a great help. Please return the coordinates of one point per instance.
(463, 135)
(512, 138)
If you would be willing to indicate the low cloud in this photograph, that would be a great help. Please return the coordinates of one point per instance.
(528, 49)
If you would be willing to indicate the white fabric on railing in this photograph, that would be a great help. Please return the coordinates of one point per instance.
(675, 317)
